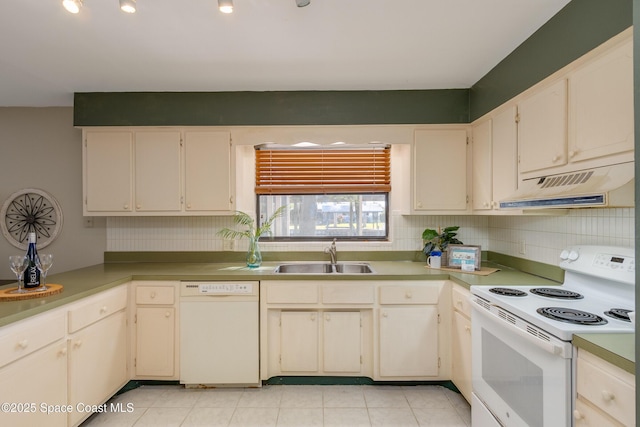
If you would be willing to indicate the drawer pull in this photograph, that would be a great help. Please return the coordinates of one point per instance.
(459, 303)
(608, 396)
(577, 415)
(409, 295)
(384, 314)
(327, 317)
(103, 309)
(467, 328)
(62, 351)
(167, 314)
(23, 344)
(153, 295)
(77, 344)
(313, 317)
(125, 207)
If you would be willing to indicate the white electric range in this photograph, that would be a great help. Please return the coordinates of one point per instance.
(522, 355)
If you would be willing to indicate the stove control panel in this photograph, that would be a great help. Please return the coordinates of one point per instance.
(609, 262)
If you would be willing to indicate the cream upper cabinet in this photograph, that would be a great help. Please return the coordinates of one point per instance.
(108, 172)
(482, 166)
(495, 157)
(440, 170)
(207, 171)
(152, 172)
(157, 171)
(542, 128)
(601, 105)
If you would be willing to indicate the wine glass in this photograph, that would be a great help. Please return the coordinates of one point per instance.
(19, 264)
(44, 263)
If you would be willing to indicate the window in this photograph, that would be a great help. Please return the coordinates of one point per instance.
(331, 192)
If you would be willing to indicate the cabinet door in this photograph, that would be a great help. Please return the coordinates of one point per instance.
(461, 354)
(408, 339)
(482, 166)
(97, 363)
(39, 378)
(157, 171)
(542, 128)
(299, 341)
(341, 341)
(504, 146)
(440, 170)
(108, 171)
(207, 171)
(155, 341)
(601, 106)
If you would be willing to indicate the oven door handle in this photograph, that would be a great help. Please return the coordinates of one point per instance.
(547, 346)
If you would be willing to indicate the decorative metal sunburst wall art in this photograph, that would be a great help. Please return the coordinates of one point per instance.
(31, 210)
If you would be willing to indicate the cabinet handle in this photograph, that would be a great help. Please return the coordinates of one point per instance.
(188, 205)
(572, 153)
(608, 396)
(467, 328)
(153, 295)
(103, 309)
(77, 344)
(327, 317)
(419, 204)
(138, 207)
(125, 207)
(23, 344)
(313, 317)
(459, 303)
(486, 204)
(555, 158)
(408, 295)
(167, 314)
(384, 314)
(62, 351)
(577, 415)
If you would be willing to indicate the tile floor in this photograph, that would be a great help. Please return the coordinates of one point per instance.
(288, 405)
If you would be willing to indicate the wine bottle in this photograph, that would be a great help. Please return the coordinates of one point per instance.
(31, 277)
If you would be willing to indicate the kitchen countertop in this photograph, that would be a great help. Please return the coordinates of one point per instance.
(619, 349)
(87, 281)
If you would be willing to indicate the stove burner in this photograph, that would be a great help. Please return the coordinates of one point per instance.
(508, 292)
(556, 293)
(619, 313)
(570, 315)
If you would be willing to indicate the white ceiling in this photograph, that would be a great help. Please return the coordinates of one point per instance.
(47, 54)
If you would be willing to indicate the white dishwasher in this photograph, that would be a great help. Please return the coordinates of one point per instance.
(219, 333)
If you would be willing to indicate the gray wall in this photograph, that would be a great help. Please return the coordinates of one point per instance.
(40, 148)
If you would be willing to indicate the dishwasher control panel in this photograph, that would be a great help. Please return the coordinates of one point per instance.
(216, 288)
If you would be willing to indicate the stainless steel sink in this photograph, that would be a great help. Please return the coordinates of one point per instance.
(322, 268)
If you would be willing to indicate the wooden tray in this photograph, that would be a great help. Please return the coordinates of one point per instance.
(6, 295)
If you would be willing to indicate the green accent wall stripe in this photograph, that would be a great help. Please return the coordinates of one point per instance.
(578, 28)
(271, 108)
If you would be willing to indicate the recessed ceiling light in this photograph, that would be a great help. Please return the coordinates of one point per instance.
(225, 6)
(128, 6)
(72, 6)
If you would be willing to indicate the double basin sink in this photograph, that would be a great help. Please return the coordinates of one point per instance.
(324, 268)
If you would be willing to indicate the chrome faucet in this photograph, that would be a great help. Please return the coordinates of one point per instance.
(332, 251)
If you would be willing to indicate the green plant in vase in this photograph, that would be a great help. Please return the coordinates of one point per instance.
(439, 240)
(253, 233)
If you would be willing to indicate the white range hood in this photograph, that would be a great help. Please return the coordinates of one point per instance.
(609, 186)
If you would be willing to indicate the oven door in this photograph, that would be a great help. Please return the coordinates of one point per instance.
(521, 374)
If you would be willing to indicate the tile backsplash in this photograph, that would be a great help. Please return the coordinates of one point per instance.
(541, 237)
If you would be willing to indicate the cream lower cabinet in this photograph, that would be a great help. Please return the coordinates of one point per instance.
(97, 351)
(461, 340)
(606, 394)
(154, 333)
(316, 328)
(33, 371)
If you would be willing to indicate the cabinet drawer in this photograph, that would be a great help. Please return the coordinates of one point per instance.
(97, 307)
(27, 336)
(607, 387)
(292, 293)
(409, 294)
(460, 300)
(586, 415)
(155, 295)
(347, 294)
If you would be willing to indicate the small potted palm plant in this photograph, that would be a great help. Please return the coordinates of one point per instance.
(439, 240)
(253, 233)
